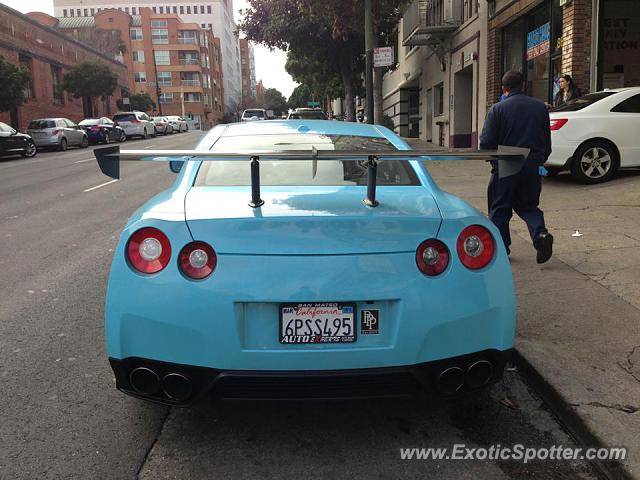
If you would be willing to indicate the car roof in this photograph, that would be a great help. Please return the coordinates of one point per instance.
(327, 127)
(621, 89)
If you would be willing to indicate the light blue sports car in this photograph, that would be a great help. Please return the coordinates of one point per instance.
(305, 259)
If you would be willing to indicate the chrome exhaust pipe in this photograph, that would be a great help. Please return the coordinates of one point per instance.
(478, 374)
(450, 380)
(177, 387)
(144, 381)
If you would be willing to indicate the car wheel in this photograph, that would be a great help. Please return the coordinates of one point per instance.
(85, 142)
(123, 137)
(63, 145)
(107, 139)
(155, 132)
(594, 162)
(186, 128)
(145, 135)
(30, 150)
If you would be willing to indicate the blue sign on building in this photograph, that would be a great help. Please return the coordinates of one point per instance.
(538, 41)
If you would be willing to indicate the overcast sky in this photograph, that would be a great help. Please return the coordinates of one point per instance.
(269, 65)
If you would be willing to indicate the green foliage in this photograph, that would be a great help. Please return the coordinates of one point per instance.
(90, 79)
(387, 121)
(15, 81)
(142, 102)
(300, 96)
(274, 100)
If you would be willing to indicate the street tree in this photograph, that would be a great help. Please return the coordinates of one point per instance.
(300, 96)
(142, 102)
(303, 26)
(15, 81)
(274, 100)
(88, 80)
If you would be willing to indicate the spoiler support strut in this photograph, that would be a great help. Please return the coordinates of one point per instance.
(372, 172)
(256, 201)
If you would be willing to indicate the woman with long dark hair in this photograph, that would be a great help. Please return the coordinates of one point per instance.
(568, 91)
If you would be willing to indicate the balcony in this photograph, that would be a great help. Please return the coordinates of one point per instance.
(189, 61)
(431, 22)
(190, 83)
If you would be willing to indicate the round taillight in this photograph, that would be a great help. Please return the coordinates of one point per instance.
(148, 250)
(476, 247)
(432, 257)
(197, 260)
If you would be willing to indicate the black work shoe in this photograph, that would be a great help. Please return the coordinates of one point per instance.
(544, 246)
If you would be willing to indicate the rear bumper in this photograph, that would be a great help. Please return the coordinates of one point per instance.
(155, 381)
(46, 141)
(561, 155)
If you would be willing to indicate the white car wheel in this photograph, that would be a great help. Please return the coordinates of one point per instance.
(594, 162)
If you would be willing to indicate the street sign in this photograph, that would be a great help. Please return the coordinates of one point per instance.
(313, 104)
(382, 57)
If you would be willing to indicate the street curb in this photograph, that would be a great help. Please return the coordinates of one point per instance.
(584, 436)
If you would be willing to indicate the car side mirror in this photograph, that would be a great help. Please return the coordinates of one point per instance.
(175, 166)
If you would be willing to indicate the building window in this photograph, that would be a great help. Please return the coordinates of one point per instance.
(133, 10)
(210, 27)
(166, 98)
(201, 8)
(195, 9)
(140, 77)
(158, 23)
(56, 82)
(175, 9)
(86, 12)
(162, 57)
(126, 9)
(155, 10)
(138, 56)
(93, 12)
(208, 8)
(64, 12)
(204, 25)
(160, 36)
(72, 13)
(438, 99)
(135, 33)
(181, 10)
(188, 58)
(191, 97)
(164, 79)
(189, 9)
(78, 12)
(27, 64)
(161, 10)
(187, 37)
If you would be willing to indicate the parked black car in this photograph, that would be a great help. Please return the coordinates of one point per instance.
(13, 142)
(103, 130)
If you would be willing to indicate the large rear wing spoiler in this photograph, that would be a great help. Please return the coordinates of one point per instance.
(510, 160)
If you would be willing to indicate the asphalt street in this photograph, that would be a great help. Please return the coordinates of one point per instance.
(61, 416)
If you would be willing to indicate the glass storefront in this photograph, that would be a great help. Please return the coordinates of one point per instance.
(532, 45)
(619, 44)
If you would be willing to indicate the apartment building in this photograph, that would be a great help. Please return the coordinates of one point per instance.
(248, 71)
(30, 41)
(215, 15)
(176, 63)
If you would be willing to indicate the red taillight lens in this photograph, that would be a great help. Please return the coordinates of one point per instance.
(557, 123)
(432, 257)
(134, 121)
(55, 131)
(95, 129)
(148, 250)
(475, 247)
(197, 260)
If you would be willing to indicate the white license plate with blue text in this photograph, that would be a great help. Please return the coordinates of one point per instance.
(317, 323)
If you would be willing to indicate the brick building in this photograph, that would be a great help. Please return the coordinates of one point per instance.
(260, 89)
(248, 74)
(29, 40)
(178, 64)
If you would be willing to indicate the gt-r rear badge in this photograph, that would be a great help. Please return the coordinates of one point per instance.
(370, 322)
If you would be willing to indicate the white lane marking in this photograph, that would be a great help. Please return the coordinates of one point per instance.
(85, 160)
(100, 186)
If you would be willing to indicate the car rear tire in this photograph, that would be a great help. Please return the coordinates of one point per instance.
(63, 145)
(145, 135)
(107, 140)
(123, 137)
(596, 161)
(85, 142)
(30, 150)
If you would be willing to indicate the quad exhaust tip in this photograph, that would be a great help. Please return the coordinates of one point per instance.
(478, 374)
(451, 380)
(144, 381)
(177, 387)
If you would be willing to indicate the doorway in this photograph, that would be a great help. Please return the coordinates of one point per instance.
(429, 125)
(462, 107)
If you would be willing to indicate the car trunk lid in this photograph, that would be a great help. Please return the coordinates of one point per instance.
(311, 220)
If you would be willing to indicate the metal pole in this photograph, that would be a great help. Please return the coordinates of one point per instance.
(372, 172)
(368, 46)
(256, 201)
(155, 69)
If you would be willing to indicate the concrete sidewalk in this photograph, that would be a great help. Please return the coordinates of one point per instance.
(578, 314)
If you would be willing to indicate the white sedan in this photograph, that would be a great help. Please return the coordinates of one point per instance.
(597, 134)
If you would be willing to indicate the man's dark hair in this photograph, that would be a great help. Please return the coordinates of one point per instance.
(512, 80)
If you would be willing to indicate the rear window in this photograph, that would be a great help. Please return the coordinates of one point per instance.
(158, 119)
(308, 116)
(125, 117)
(300, 172)
(90, 121)
(253, 113)
(41, 124)
(582, 102)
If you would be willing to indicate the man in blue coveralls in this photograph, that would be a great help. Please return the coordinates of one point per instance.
(519, 121)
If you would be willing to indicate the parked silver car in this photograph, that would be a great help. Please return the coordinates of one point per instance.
(179, 124)
(163, 125)
(135, 124)
(57, 133)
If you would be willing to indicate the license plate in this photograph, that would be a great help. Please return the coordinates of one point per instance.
(317, 323)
